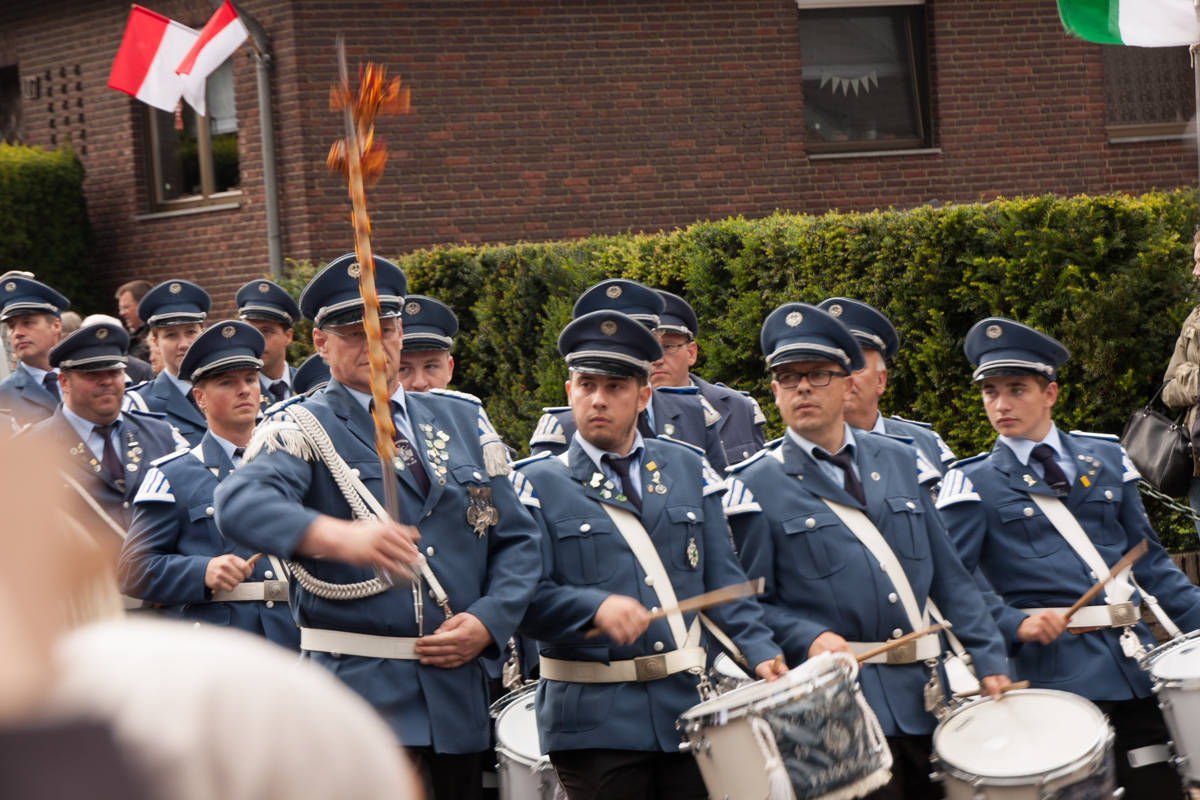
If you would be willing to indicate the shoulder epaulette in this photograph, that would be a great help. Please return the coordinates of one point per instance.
(678, 389)
(555, 409)
(926, 472)
(956, 488)
(662, 437)
(759, 417)
(524, 489)
(1130, 472)
(470, 398)
(711, 415)
(137, 386)
(1110, 437)
(169, 457)
(969, 460)
(713, 482)
(149, 414)
(944, 451)
(899, 418)
(282, 404)
(548, 431)
(741, 465)
(898, 437)
(155, 487)
(495, 454)
(531, 459)
(738, 499)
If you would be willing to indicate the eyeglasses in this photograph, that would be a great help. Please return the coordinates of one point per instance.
(816, 379)
(671, 349)
(359, 337)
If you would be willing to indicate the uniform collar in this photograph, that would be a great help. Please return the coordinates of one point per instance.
(287, 379)
(597, 455)
(225, 445)
(183, 386)
(38, 375)
(809, 447)
(364, 399)
(878, 426)
(85, 428)
(1023, 448)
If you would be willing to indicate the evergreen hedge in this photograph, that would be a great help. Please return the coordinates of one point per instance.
(44, 226)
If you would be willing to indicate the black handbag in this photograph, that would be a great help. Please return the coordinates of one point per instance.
(1160, 448)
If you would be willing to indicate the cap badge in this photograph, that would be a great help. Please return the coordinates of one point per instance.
(264, 287)
(608, 327)
(793, 319)
(174, 288)
(228, 331)
(835, 310)
(613, 292)
(354, 270)
(412, 309)
(10, 287)
(993, 331)
(102, 333)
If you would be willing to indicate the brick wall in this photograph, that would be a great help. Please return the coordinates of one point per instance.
(543, 119)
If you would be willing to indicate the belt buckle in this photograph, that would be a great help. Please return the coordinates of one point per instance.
(276, 591)
(904, 654)
(650, 668)
(1122, 615)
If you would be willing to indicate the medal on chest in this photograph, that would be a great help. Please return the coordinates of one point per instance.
(437, 449)
(481, 513)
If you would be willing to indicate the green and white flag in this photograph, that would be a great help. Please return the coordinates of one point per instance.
(1141, 23)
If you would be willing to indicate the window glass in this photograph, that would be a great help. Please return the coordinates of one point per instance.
(177, 152)
(223, 127)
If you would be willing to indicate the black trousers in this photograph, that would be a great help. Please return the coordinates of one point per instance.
(910, 771)
(449, 777)
(628, 775)
(1139, 723)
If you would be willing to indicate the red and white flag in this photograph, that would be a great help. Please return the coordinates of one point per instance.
(145, 63)
(219, 39)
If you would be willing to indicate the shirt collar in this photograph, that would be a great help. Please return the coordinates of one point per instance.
(226, 445)
(1023, 448)
(38, 375)
(364, 399)
(809, 447)
(878, 426)
(597, 455)
(287, 379)
(85, 428)
(183, 386)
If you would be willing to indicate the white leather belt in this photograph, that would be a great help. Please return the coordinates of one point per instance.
(268, 591)
(646, 668)
(922, 649)
(345, 643)
(1117, 615)
(132, 603)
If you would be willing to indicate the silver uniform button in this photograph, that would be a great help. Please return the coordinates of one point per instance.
(910, 505)
(810, 523)
(125, 504)
(691, 515)
(1107, 496)
(209, 511)
(355, 472)
(429, 551)
(658, 646)
(654, 610)
(585, 527)
(745, 454)
(1028, 511)
(270, 604)
(883, 567)
(1093, 574)
(429, 513)
(478, 477)
(896, 634)
(649, 581)
(268, 575)
(892, 597)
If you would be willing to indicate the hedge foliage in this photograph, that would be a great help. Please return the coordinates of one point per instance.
(44, 226)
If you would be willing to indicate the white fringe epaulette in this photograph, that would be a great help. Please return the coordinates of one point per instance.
(1131, 472)
(944, 451)
(280, 432)
(460, 395)
(741, 465)
(662, 437)
(549, 431)
(531, 459)
(495, 455)
(925, 471)
(759, 417)
(738, 499)
(711, 415)
(525, 490)
(713, 482)
(155, 487)
(956, 488)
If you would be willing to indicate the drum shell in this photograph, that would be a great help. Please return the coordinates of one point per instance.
(730, 760)
(1180, 705)
(519, 776)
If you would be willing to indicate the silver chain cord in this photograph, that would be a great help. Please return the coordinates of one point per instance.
(1149, 491)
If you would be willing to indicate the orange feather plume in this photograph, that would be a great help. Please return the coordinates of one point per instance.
(376, 97)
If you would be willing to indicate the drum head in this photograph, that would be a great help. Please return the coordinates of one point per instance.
(1179, 664)
(516, 730)
(1026, 733)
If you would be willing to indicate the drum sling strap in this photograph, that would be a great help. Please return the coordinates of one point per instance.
(128, 603)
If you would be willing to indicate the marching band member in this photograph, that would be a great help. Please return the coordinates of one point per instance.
(174, 555)
(740, 426)
(628, 523)
(849, 543)
(879, 341)
(1042, 516)
(32, 312)
(679, 415)
(272, 311)
(175, 311)
(429, 330)
(311, 489)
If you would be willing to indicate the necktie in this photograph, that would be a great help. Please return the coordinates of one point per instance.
(408, 454)
(644, 427)
(279, 389)
(51, 384)
(621, 467)
(238, 452)
(109, 458)
(1052, 472)
(851, 483)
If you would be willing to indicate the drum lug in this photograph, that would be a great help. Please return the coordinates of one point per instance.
(1118, 793)
(937, 777)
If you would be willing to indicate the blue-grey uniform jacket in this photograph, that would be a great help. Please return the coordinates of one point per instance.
(585, 559)
(925, 438)
(740, 426)
(269, 502)
(162, 397)
(142, 439)
(680, 416)
(820, 577)
(26, 400)
(997, 526)
(266, 399)
(174, 536)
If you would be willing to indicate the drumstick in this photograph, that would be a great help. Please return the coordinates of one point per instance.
(1008, 687)
(707, 600)
(250, 561)
(1133, 555)
(908, 637)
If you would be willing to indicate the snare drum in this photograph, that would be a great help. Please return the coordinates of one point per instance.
(522, 770)
(1034, 744)
(811, 728)
(1175, 669)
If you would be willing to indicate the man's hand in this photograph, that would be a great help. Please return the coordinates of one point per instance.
(380, 543)
(829, 642)
(455, 642)
(225, 572)
(1043, 627)
(623, 618)
(770, 671)
(989, 685)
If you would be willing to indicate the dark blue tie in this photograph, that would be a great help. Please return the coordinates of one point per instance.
(50, 382)
(1052, 472)
(851, 483)
(621, 467)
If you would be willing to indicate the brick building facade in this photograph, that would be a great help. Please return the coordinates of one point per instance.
(546, 119)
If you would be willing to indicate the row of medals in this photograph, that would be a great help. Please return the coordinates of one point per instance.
(133, 454)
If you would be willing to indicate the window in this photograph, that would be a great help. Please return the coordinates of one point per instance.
(10, 105)
(1149, 92)
(193, 160)
(863, 71)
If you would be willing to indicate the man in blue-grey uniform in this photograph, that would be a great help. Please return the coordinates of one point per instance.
(175, 311)
(311, 376)
(272, 311)
(740, 426)
(429, 330)
(32, 311)
(628, 523)
(1043, 515)
(174, 555)
(110, 450)
(853, 551)
(682, 416)
(311, 490)
(879, 341)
